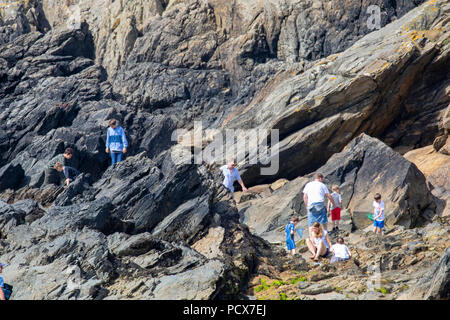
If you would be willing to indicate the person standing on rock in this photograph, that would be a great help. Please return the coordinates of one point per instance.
(231, 174)
(52, 176)
(116, 141)
(290, 234)
(314, 195)
(378, 214)
(335, 211)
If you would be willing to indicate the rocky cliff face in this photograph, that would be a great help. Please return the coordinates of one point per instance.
(347, 100)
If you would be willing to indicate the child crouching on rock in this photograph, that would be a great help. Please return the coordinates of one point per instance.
(69, 173)
(290, 229)
(340, 251)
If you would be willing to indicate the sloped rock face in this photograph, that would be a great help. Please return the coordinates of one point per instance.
(435, 284)
(130, 235)
(358, 90)
(367, 164)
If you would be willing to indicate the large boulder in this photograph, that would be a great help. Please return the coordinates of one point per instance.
(11, 176)
(365, 166)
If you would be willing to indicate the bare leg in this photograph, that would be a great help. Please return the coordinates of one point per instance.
(325, 226)
(311, 247)
(321, 249)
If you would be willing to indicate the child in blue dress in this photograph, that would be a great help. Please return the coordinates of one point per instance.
(290, 230)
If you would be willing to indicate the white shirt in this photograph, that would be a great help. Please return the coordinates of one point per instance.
(341, 251)
(337, 198)
(315, 190)
(324, 239)
(230, 177)
(377, 208)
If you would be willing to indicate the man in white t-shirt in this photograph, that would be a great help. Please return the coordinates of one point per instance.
(314, 195)
(231, 174)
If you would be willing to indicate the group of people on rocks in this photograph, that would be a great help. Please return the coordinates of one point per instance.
(116, 146)
(314, 195)
(319, 244)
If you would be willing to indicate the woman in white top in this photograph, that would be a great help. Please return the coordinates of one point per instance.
(319, 242)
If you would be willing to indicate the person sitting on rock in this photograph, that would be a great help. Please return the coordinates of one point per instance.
(378, 214)
(52, 176)
(116, 141)
(319, 243)
(314, 195)
(231, 174)
(290, 231)
(340, 251)
(70, 173)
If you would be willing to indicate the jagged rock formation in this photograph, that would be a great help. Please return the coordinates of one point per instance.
(150, 227)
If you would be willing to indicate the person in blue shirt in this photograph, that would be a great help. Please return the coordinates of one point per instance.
(290, 230)
(2, 283)
(116, 141)
(231, 174)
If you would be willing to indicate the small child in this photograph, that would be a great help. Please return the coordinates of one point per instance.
(69, 173)
(378, 214)
(290, 229)
(335, 211)
(340, 251)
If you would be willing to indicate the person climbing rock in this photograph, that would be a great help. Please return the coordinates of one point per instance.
(52, 176)
(231, 174)
(70, 173)
(116, 141)
(314, 195)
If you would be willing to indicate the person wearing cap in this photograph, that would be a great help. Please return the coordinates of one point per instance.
(116, 141)
(231, 174)
(2, 283)
(52, 176)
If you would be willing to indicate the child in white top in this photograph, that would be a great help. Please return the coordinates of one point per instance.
(378, 214)
(340, 251)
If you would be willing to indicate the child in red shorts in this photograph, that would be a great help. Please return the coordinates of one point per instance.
(335, 211)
